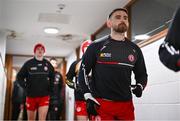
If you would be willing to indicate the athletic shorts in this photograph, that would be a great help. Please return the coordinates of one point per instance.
(33, 103)
(115, 110)
(80, 108)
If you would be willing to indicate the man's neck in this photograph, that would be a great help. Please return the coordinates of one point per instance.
(118, 36)
(39, 58)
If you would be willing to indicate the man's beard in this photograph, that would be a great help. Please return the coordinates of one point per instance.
(120, 28)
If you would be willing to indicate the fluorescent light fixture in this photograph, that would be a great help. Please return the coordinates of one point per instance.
(142, 37)
(51, 30)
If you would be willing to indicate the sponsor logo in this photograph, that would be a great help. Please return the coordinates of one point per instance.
(106, 55)
(33, 68)
(131, 58)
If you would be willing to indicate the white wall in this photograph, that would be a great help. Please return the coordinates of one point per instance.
(70, 92)
(3, 35)
(2, 63)
(2, 90)
(161, 98)
(1, 13)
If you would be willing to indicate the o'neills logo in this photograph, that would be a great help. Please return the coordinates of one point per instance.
(131, 58)
(107, 55)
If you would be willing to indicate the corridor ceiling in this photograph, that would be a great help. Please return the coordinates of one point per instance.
(21, 19)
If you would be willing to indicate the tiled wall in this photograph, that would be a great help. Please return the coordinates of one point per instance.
(161, 98)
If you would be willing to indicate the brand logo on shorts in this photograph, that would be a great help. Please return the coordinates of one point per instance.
(78, 109)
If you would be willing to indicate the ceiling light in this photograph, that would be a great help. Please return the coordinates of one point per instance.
(51, 30)
(142, 37)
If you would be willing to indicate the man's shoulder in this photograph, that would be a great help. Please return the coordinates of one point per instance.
(102, 39)
(31, 60)
(74, 63)
(99, 42)
(46, 61)
(132, 44)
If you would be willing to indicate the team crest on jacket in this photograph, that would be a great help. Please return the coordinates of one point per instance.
(45, 68)
(57, 79)
(131, 58)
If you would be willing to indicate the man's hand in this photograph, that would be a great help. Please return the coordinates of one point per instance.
(91, 104)
(71, 84)
(137, 90)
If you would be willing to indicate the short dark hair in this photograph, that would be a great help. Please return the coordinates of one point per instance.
(117, 9)
(53, 58)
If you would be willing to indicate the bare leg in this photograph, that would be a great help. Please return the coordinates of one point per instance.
(81, 118)
(31, 115)
(42, 111)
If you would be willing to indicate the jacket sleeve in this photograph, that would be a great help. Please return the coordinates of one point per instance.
(70, 75)
(61, 81)
(169, 50)
(51, 77)
(173, 37)
(169, 56)
(14, 92)
(140, 70)
(88, 63)
(22, 75)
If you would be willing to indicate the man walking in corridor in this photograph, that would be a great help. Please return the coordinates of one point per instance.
(112, 59)
(36, 76)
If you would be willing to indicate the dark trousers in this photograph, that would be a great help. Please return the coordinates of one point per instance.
(54, 112)
(16, 108)
(15, 111)
(55, 109)
(24, 113)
